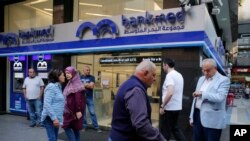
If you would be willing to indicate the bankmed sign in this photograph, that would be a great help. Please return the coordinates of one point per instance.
(147, 23)
(28, 36)
(150, 23)
(164, 26)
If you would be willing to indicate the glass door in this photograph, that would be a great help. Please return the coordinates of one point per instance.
(110, 71)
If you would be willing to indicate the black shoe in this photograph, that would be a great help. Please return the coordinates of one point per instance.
(40, 125)
(32, 125)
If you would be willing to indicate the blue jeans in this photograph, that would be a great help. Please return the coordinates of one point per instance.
(91, 109)
(52, 131)
(35, 110)
(72, 135)
(110, 139)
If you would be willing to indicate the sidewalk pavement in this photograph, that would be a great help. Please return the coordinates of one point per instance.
(240, 112)
(237, 114)
(16, 128)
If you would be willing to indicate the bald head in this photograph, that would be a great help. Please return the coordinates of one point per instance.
(145, 65)
(209, 67)
(210, 62)
(146, 72)
(86, 70)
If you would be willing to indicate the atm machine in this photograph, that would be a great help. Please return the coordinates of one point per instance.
(19, 70)
(18, 66)
(42, 65)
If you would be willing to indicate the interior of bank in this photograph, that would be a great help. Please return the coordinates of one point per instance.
(109, 76)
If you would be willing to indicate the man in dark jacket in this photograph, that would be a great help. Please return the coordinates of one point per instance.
(131, 119)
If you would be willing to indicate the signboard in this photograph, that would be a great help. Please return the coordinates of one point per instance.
(241, 70)
(129, 60)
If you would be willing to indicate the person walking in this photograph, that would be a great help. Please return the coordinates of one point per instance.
(247, 92)
(208, 111)
(89, 84)
(131, 119)
(53, 105)
(74, 106)
(172, 93)
(33, 91)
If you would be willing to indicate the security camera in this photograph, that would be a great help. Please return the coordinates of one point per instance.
(185, 5)
(216, 10)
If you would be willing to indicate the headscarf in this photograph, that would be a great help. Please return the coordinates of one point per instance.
(74, 85)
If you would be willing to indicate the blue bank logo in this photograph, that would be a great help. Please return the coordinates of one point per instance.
(28, 37)
(101, 28)
(9, 39)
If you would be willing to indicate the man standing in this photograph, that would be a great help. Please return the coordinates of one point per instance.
(89, 83)
(172, 93)
(131, 120)
(247, 92)
(33, 90)
(208, 112)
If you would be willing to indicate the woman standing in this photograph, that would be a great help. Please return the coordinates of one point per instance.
(74, 106)
(52, 114)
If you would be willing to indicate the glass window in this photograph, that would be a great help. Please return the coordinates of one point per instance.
(91, 9)
(109, 75)
(28, 14)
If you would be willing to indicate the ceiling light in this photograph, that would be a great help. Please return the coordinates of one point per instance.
(136, 10)
(90, 4)
(100, 15)
(35, 2)
(37, 9)
(48, 9)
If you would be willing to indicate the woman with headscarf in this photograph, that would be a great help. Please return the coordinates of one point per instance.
(74, 106)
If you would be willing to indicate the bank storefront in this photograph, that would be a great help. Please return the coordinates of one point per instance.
(112, 47)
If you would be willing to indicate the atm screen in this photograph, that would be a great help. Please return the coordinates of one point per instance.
(18, 81)
(18, 75)
(43, 75)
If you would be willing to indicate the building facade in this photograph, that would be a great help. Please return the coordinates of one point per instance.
(112, 44)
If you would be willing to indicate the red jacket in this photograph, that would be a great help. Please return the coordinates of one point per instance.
(75, 102)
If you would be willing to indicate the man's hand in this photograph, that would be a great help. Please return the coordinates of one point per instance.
(197, 94)
(78, 115)
(162, 112)
(191, 123)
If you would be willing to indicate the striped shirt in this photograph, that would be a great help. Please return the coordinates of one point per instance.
(53, 102)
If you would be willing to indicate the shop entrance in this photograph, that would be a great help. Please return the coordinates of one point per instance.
(110, 71)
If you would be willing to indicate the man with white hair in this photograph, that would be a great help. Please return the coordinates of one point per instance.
(208, 112)
(131, 119)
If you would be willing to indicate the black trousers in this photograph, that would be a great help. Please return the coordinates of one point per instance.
(201, 133)
(170, 125)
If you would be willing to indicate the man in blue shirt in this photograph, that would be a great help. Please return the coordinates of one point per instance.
(89, 83)
(131, 120)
